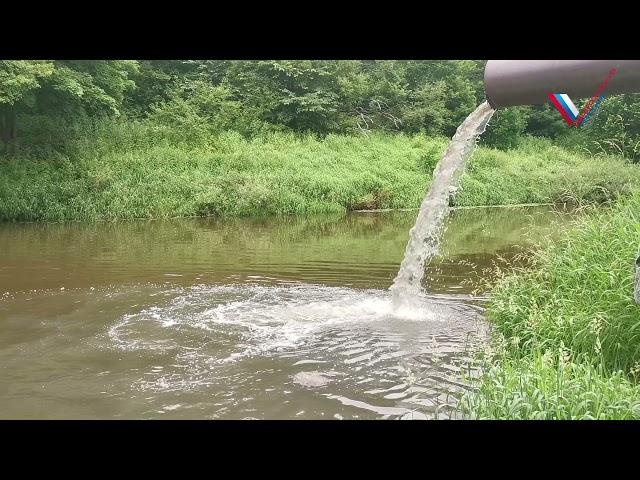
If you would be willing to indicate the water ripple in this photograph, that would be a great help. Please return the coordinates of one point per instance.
(349, 343)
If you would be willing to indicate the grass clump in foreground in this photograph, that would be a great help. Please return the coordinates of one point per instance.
(566, 343)
(117, 170)
(546, 387)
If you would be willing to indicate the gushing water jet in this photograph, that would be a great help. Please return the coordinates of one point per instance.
(507, 83)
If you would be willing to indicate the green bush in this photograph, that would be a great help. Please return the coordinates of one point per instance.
(580, 293)
(567, 329)
(199, 110)
(111, 169)
(140, 172)
(505, 128)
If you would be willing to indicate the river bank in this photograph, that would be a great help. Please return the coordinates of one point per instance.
(141, 173)
(565, 330)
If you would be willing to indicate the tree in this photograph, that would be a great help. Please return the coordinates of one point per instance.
(158, 81)
(61, 87)
(18, 81)
(506, 127)
(96, 87)
(300, 94)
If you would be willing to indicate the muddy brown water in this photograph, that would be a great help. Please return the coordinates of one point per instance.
(245, 318)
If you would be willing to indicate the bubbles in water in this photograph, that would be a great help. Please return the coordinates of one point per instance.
(268, 317)
(253, 347)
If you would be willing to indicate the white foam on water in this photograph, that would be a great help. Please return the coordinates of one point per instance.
(267, 317)
(208, 333)
(311, 379)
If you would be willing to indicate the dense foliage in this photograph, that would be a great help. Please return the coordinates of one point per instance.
(566, 330)
(202, 97)
(115, 170)
(112, 138)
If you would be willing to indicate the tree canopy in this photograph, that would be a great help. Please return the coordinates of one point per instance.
(307, 96)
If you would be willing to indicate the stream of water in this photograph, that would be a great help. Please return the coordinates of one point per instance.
(425, 233)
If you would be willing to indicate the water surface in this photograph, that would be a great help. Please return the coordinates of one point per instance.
(244, 318)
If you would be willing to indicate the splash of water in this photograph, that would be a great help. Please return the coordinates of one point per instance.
(424, 236)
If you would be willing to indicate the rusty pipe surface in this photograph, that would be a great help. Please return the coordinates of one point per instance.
(527, 82)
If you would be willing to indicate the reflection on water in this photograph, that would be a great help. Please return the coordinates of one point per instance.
(273, 318)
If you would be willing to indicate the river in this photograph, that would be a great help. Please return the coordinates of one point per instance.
(277, 318)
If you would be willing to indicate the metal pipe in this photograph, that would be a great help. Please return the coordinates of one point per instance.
(527, 82)
(510, 83)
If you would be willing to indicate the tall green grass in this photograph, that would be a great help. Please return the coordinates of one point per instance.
(567, 329)
(548, 387)
(539, 172)
(227, 175)
(127, 169)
